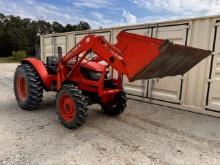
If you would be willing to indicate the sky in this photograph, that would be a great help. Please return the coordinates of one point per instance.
(109, 13)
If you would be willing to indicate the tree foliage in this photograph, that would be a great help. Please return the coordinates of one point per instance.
(24, 34)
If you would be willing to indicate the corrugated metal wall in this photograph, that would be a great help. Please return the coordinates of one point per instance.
(213, 95)
(198, 90)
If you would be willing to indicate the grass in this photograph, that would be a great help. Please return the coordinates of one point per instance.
(8, 60)
(15, 58)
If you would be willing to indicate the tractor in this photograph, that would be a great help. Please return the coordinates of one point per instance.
(92, 73)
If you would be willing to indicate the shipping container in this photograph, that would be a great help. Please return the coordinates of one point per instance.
(198, 90)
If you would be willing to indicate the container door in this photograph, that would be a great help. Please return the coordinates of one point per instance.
(47, 49)
(60, 41)
(168, 88)
(214, 83)
(139, 87)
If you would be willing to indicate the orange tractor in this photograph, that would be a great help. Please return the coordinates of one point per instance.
(81, 81)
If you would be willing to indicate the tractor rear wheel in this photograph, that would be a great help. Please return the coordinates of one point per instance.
(28, 87)
(117, 106)
(71, 106)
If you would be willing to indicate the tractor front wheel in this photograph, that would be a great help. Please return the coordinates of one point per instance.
(28, 87)
(71, 106)
(117, 106)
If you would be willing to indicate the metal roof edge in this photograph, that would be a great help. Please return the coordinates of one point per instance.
(152, 23)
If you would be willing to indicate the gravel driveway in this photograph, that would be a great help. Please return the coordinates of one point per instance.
(144, 134)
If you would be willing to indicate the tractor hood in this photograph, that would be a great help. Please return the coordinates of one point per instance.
(92, 66)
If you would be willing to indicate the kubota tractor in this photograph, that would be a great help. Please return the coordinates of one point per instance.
(80, 81)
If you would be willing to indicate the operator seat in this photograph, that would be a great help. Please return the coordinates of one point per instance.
(51, 63)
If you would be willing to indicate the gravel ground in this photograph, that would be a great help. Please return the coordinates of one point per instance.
(144, 134)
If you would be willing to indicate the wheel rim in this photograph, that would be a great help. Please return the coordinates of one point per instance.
(21, 87)
(67, 107)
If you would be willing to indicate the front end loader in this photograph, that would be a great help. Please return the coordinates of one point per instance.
(81, 80)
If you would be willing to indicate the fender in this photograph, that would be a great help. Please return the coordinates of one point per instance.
(41, 70)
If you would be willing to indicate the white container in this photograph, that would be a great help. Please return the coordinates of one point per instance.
(197, 91)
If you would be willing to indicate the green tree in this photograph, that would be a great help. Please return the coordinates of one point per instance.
(70, 27)
(57, 27)
(24, 34)
(83, 26)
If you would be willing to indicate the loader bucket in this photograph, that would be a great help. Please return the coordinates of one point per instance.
(147, 58)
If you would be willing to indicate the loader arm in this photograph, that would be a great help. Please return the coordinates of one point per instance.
(97, 44)
(136, 56)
